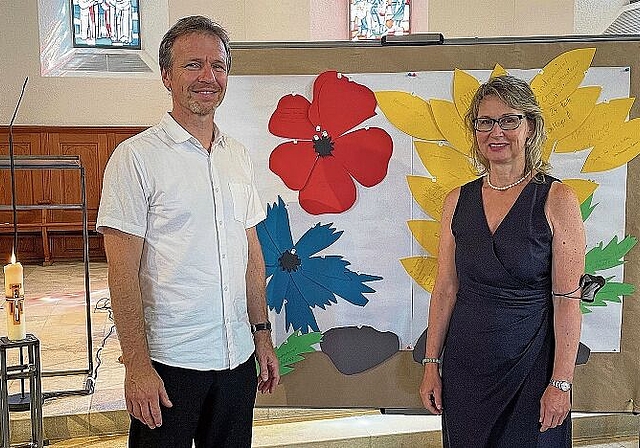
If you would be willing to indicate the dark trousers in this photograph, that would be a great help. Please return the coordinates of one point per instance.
(212, 408)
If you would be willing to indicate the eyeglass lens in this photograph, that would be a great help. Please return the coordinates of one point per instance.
(506, 122)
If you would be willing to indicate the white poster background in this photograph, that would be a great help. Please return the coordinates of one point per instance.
(376, 235)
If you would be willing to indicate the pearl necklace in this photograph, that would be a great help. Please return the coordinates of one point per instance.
(506, 187)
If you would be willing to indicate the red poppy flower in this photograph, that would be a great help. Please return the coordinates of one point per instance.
(323, 158)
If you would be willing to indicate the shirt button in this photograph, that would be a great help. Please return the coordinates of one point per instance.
(226, 288)
(224, 256)
(217, 190)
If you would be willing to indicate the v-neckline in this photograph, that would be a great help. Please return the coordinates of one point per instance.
(504, 218)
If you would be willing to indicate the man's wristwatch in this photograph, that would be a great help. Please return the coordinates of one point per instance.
(261, 326)
(564, 386)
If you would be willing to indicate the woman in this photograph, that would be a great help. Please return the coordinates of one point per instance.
(508, 239)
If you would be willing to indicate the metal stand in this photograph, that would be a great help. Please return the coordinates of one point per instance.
(21, 401)
(30, 371)
(43, 163)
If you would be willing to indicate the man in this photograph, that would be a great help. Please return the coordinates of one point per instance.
(186, 272)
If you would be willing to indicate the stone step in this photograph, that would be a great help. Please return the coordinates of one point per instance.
(321, 428)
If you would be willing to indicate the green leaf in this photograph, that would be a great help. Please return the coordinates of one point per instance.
(610, 292)
(586, 208)
(289, 352)
(599, 258)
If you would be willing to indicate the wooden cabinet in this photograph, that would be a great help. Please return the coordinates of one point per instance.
(47, 235)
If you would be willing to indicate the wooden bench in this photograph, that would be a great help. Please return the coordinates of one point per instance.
(43, 228)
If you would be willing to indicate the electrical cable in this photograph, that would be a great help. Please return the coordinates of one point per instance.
(103, 304)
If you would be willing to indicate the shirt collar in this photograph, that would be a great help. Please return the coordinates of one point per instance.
(220, 136)
(180, 135)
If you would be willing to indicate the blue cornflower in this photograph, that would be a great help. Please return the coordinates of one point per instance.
(300, 281)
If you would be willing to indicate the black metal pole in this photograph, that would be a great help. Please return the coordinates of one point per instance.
(14, 204)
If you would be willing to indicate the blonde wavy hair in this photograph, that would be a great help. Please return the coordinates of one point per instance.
(516, 94)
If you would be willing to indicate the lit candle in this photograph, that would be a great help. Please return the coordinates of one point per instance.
(14, 292)
(13, 275)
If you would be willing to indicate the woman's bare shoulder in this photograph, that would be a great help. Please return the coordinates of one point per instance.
(563, 208)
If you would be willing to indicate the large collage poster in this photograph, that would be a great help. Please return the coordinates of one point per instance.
(353, 204)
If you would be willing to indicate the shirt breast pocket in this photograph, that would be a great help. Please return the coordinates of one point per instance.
(240, 198)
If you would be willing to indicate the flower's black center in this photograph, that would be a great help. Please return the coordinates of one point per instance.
(289, 261)
(322, 144)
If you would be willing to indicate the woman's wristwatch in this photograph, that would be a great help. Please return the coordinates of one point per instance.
(564, 386)
(426, 361)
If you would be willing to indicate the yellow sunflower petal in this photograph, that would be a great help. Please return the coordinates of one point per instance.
(409, 113)
(564, 118)
(427, 233)
(547, 149)
(582, 188)
(615, 151)
(602, 122)
(451, 125)
(498, 70)
(429, 194)
(562, 76)
(445, 163)
(464, 87)
(422, 269)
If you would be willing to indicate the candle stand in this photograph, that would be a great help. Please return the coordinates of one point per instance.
(67, 163)
(29, 371)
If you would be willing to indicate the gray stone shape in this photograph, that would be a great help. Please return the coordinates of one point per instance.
(354, 350)
(420, 347)
(583, 354)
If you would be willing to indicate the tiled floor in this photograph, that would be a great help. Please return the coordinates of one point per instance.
(56, 314)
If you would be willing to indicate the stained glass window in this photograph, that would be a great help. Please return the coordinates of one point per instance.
(105, 23)
(372, 19)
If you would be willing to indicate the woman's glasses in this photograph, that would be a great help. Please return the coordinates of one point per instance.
(506, 122)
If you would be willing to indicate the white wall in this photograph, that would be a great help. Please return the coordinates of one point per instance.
(595, 16)
(490, 18)
(67, 100)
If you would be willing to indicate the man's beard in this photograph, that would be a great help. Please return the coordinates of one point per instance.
(202, 109)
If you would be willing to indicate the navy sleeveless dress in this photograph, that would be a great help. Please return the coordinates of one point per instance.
(498, 355)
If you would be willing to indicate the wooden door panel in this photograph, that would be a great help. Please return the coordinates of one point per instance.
(94, 146)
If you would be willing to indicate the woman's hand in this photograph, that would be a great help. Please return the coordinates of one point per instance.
(554, 407)
(431, 389)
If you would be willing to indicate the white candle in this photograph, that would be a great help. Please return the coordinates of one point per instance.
(16, 325)
(14, 278)
(13, 275)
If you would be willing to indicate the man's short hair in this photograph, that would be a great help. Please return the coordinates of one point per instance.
(190, 25)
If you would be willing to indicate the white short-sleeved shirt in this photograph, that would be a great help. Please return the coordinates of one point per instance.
(192, 208)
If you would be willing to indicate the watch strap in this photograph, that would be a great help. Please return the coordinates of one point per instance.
(563, 385)
(261, 326)
(427, 360)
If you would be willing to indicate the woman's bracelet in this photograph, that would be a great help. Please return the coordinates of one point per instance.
(431, 361)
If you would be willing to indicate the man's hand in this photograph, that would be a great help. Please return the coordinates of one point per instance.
(144, 392)
(268, 362)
